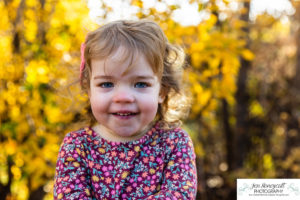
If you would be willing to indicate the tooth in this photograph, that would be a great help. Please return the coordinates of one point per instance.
(123, 114)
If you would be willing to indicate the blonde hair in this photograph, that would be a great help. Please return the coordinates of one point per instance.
(147, 37)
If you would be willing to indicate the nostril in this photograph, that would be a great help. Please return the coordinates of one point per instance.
(123, 97)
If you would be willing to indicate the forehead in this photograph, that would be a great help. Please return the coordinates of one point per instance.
(122, 62)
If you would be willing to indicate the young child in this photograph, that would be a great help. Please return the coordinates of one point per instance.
(134, 148)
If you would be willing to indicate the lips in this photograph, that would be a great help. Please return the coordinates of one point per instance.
(124, 114)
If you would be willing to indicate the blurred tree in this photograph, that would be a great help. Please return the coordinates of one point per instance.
(242, 104)
(242, 97)
(39, 46)
(297, 19)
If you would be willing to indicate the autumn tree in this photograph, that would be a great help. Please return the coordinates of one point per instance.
(39, 49)
(244, 118)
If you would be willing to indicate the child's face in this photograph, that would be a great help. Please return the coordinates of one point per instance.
(123, 101)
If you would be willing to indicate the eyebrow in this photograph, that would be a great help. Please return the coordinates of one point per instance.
(111, 77)
(103, 77)
(144, 77)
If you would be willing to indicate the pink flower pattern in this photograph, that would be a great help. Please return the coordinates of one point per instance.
(160, 165)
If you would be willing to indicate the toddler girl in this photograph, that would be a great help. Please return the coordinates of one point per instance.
(133, 148)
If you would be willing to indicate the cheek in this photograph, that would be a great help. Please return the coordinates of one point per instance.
(97, 103)
(149, 105)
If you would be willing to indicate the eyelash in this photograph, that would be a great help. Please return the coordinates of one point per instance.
(143, 83)
(136, 85)
(106, 85)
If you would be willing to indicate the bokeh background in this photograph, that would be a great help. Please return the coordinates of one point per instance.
(243, 75)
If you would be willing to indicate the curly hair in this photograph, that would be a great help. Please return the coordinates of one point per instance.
(166, 60)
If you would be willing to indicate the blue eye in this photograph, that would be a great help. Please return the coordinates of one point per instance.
(141, 85)
(106, 85)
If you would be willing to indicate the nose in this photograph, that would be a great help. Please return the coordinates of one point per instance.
(123, 95)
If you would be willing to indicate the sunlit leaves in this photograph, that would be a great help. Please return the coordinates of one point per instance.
(256, 109)
(34, 103)
(33, 109)
(137, 3)
(37, 72)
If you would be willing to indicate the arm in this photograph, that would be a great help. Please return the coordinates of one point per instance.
(180, 178)
(71, 177)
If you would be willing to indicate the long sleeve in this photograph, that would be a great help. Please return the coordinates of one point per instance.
(180, 179)
(71, 177)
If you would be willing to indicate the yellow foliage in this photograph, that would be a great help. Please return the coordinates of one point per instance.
(30, 14)
(37, 72)
(19, 161)
(196, 59)
(5, 56)
(32, 3)
(268, 165)
(199, 150)
(256, 109)
(247, 54)
(197, 47)
(4, 22)
(16, 172)
(2, 106)
(267, 161)
(14, 113)
(53, 114)
(211, 21)
(204, 97)
(20, 188)
(32, 112)
(230, 65)
(22, 128)
(31, 30)
(214, 62)
(137, 3)
(10, 147)
(227, 86)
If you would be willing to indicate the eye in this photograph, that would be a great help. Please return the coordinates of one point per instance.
(141, 85)
(106, 85)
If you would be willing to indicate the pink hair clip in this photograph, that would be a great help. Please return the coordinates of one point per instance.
(82, 64)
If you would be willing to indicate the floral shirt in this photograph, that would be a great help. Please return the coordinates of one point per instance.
(160, 165)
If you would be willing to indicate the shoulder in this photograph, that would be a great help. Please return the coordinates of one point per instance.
(177, 142)
(175, 134)
(78, 135)
(78, 138)
(175, 138)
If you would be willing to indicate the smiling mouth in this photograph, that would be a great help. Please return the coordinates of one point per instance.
(125, 114)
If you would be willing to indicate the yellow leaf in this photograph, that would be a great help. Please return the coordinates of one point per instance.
(247, 54)
(11, 147)
(268, 161)
(53, 114)
(30, 30)
(137, 3)
(196, 59)
(256, 109)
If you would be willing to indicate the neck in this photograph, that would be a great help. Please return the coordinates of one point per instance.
(100, 130)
